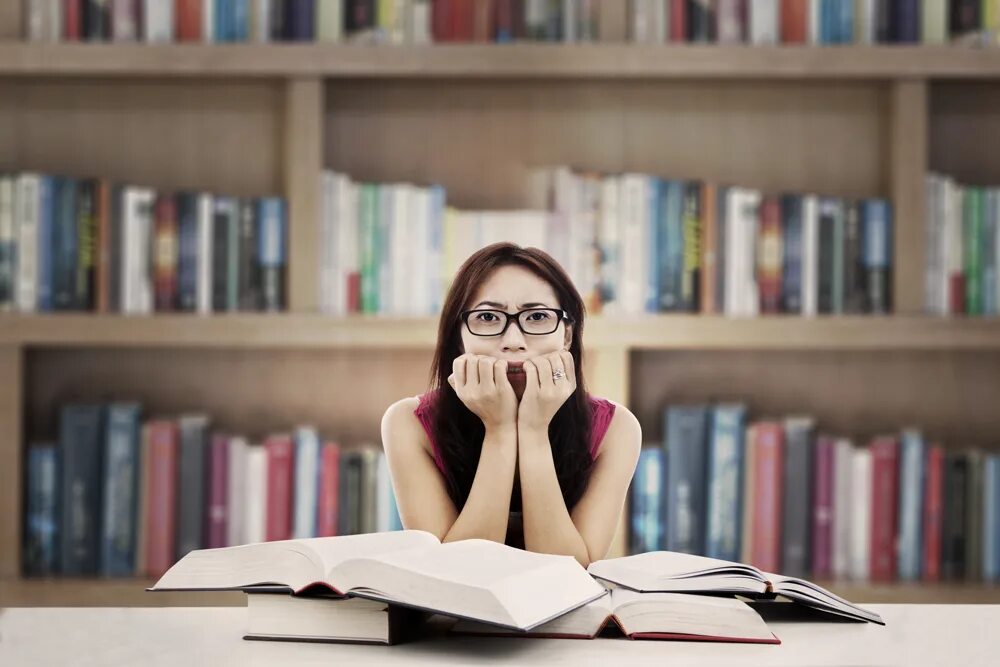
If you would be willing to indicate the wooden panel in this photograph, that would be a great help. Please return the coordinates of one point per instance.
(480, 139)
(965, 131)
(254, 393)
(213, 135)
(951, 396)
(106, 593)
(527, 61)
(909, 169)
(303, 126)
(10, 460)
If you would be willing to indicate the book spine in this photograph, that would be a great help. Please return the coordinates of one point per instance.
(165, 267)
(187, 254)
(701, 21)
(647, 502)
(103, 247)
(725, 483)
(685, 427)
(86, 233)
(205, 253)
(280, 473)
(796, 496)
(192, 483)
(770, 256)
(972, 222)
(271, 252)
(823, 508)
(125, 20)
(41, 517)
(72, 16)
(691, 258)
(8, 246)
(236, 491)
(161, 518)
(768, 501)
(224, 209)
(64, 243)
(216, 520)
(121, 454)
(792, 241)
(47, 211)
(933, 514)
(827, 239)
(80, 453)
(189, 15)
(885, 499)
(911, 482)
(329, 490)
(679, 25)
(306, 478)
(853, 271)
(877, 254)
(27, 201)
(794, 21)
(248, 267)
(708, 289)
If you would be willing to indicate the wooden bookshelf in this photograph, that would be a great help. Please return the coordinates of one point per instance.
(841, 121)
(517, 61)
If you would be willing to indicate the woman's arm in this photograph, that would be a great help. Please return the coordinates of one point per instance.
(421, 494)
(585, 534)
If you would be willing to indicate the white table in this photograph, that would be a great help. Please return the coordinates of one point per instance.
(965, 635)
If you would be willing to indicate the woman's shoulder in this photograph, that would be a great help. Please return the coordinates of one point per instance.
(614, 426)
(404, 422)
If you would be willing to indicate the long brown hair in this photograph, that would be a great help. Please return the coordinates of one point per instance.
(459, 432)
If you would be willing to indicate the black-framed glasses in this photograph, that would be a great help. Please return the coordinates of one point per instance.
(531, 322)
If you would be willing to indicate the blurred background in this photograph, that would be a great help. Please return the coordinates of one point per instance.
(226, 228)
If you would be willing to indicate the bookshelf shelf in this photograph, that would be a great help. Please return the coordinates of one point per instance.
(660, 332)
(522, 61)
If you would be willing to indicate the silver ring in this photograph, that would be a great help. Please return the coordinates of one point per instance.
(558, 374)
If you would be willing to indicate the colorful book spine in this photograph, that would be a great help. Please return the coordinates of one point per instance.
(885, 508)
(725, 483)
(769, 446)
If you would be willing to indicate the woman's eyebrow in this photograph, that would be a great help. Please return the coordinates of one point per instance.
(496, 304)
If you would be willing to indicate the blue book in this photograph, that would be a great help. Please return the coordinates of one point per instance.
(725, 482)
(876, 253)
(46, 222)
(80, 452)
(647, 502)
(791, 274)
(654, 243)
(991, 518)
(671, 247)
(911, 508)
(272, 226)
(845, 21)
(306, 487)
(685, 430)
(906, 24)
(64, 244)
(240, 23)
(41, 516)
(300, 20)
(222, 15)
(121, 475)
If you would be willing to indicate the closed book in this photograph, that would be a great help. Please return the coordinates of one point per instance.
(732, 26)
(369, 490)
(236, 490)
(679, 26)
(828, 222)
(691, 260)
(934, 22)
(187, 252)
(97, 20)
(797, 496)
(933, 517)
(906, 24)
(225, 216)
(216, 520)
(64, 246)
(685, 427)
(823, 515)
(876, 230)
(701, 21)
(272, 253)
(256, 500)
(125, 20)
(965, 16)
(41, 512)
(306, 474)
(8, 245)
(158, 21)
(765, 22)
(885, 508)
(72, 20)
(766, 539)
(792, 246)
(46, 222)
(329, 490)
(516, 589)
(80, 455)
(769, 256)
(953, 538)
(972, 226)
(441, 25)
(349, 503)
(189, 15)
(725, 481)
(248, 261)
(647, 501)
(843, 482)
(192, 482)
(710, 261)
(859, 563)
(164, 500)
(911, 494)
(280, 478)
(854, 269)
(120, 501)
(794, 21)
(974, 516)
(87, 212)
(669, 249)
(165, 254)
(991, 518)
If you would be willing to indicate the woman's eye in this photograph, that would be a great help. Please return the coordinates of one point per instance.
(539, 316)
(483, 316)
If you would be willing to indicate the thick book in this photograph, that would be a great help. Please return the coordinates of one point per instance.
(673, 572)
(676, 616)
(475, 579)
(277, 616)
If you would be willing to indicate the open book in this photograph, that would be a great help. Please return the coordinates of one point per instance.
(476, 579)
(669, 571)
(650, 616)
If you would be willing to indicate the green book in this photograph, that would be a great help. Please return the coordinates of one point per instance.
(839, 239)
(972, 223)
(934, 22)
(370, 248)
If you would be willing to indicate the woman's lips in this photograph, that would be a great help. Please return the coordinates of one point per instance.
(515, 368)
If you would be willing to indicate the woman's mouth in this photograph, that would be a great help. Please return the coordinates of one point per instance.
(515, 368)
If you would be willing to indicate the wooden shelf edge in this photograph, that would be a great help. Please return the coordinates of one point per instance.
(524, 60)
(655, 332)
(132, 593)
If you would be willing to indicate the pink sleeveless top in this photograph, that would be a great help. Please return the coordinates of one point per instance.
(602, 411)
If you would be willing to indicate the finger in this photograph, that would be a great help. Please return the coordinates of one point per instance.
(544, 372)
(530, 377)
(486, 373)
(569, 365)
(500, 374)
(472, 369)
(458, 370)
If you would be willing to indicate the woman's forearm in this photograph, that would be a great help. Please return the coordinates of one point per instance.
(548, 527)
(488, 507)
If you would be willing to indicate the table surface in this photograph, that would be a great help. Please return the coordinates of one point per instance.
(964, 635)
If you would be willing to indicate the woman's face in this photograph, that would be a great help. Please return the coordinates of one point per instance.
(512, 289)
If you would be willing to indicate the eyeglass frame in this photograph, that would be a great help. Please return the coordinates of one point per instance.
(563, 317)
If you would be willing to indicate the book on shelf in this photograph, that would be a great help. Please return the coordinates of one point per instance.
(474, 579)
(673, 572)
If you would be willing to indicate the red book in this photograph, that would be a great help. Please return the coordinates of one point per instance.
(482, 21)
(165, 259)
(822, 528)
(329, 490)
(463, 18)
(770, 256)
(794, 21)
(885, 508)
(956, 295)
(354, 292)
(217, 512)
(441, 24)
(503, 20)
(768, 469)
(187, 18)
(933, 508)
(102, 259)
(161, 516)
(280, 473)
(72, 20)
(678, 21)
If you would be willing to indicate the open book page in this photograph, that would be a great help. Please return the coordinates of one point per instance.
(296, 564)
(808, 593)
(680, 614)
(477, 579)
(670, 571)
(582, 622)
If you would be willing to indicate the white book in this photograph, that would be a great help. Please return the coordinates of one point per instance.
(436, 277)
(861, 515)
(43, 20)
(660, 14)
(609, 242)
(27, 196)
(403, 250)
(329, 21)
(208, 19)
(570, 21)
(651, 615)
(934, 21)
(327, 251)
(417, 297)
(354, 620)
(384, 495)
(420, 22)
(729, 23)
(589, 193)
(642, 21)
(158, 21)
(255, 526)
(386, 259)
(675, 572)
(137, 228)
(124, 21)
(203, 282)
(635, 219)
(236, 491)
(810, 256)
(843, 489)
(865, 21)
(815, 14)
(764, 24)
(8, 245)
(478, 579)
(306, 482)
(741, 233)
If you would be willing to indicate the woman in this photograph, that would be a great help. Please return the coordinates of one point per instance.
(508, 446)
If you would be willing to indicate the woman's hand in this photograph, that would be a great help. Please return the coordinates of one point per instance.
(482, 385)
(543, 396)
